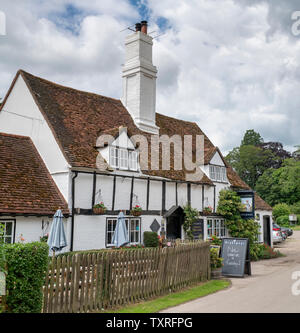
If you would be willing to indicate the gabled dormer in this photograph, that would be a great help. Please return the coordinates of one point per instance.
(215, 167)
(121, 153)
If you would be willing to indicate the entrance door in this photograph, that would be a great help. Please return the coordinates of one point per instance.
(175, 219)
(267, 232)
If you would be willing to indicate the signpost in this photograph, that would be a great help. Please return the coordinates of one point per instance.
(197, 229)
(236, 257)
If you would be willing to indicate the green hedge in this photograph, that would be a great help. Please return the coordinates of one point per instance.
(151, 239)
(26, 267)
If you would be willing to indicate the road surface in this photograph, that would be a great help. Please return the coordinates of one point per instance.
(267, 290)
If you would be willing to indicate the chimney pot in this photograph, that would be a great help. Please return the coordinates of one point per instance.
(144, 27)
(138, 27)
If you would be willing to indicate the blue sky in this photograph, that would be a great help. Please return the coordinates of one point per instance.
(229, 65)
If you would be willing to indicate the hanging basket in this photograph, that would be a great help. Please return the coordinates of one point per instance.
(99, 210)
(136, 212)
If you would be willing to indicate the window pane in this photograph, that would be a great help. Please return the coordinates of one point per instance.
(123, 158)
(8, 230)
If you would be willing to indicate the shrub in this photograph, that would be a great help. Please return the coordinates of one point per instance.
(215, 259)
(280, 210)
(150, 239)
(268, 252)
(215, 240)
(283, 221)
(229, 206)
(26, 267)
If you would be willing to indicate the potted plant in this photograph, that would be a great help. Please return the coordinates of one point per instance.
(99, 208)
(216, 263)
(207, 210)
(136, 210)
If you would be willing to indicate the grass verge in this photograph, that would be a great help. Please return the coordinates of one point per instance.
(296, 227)
(176, 298)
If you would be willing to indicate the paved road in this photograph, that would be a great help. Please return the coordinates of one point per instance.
(267, 290)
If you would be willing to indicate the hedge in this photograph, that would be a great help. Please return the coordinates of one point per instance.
(151, 239)
(26, 270)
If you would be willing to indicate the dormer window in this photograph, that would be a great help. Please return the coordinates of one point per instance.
(217, 173)
(123, 159)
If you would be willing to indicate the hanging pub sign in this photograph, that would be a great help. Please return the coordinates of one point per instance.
(2, 284)
(236, 257)
(248, 204)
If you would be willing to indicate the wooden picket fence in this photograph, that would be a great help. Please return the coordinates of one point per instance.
(89, 282)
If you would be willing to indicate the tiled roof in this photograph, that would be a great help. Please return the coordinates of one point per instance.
(26, 187)
(78, 118)
(260, 204)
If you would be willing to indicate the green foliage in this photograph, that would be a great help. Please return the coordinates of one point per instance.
(229, 206)
(215, 259)
(281, 185)
(251, 138)
(283, 221)
(190, 217)
(26, 267)
(215, 240)
(280, 210)
(295, 208)
(151, 239)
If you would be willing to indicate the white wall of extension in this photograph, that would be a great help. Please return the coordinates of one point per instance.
(21, 116)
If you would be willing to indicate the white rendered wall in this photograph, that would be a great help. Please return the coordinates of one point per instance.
(21, 116)
(31, 228)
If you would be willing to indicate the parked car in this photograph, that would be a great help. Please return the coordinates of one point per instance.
(288, 231)
(277, 228)
(277, 237)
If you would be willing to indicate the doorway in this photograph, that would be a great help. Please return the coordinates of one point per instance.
(175, 219)
(267, 230)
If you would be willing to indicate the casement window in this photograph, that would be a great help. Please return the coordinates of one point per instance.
(217, 173)
(6, 231)
(123, 159)
(216, 226)
(133, 226)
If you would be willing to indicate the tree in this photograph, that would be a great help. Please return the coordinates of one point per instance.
(251, 138)
(281, 185)
(249, 162)
(296, 153)
(279, 154)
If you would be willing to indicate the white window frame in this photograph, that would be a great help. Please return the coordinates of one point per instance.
(123, 159)
(7, 236)
(217, 173)
(133, 234)
(217, 227)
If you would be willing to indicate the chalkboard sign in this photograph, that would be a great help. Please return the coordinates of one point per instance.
(236, 257)
(197, 229)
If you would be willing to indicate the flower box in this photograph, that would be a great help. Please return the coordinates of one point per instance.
(216, 273)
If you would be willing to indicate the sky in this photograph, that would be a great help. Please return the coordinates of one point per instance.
(229, 65)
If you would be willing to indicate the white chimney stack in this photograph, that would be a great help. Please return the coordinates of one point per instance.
(139, 79)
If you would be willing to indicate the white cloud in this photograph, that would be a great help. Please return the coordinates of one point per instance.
(228, 65)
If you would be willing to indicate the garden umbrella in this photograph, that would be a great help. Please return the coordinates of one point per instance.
(57, 238)
(120, 236)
